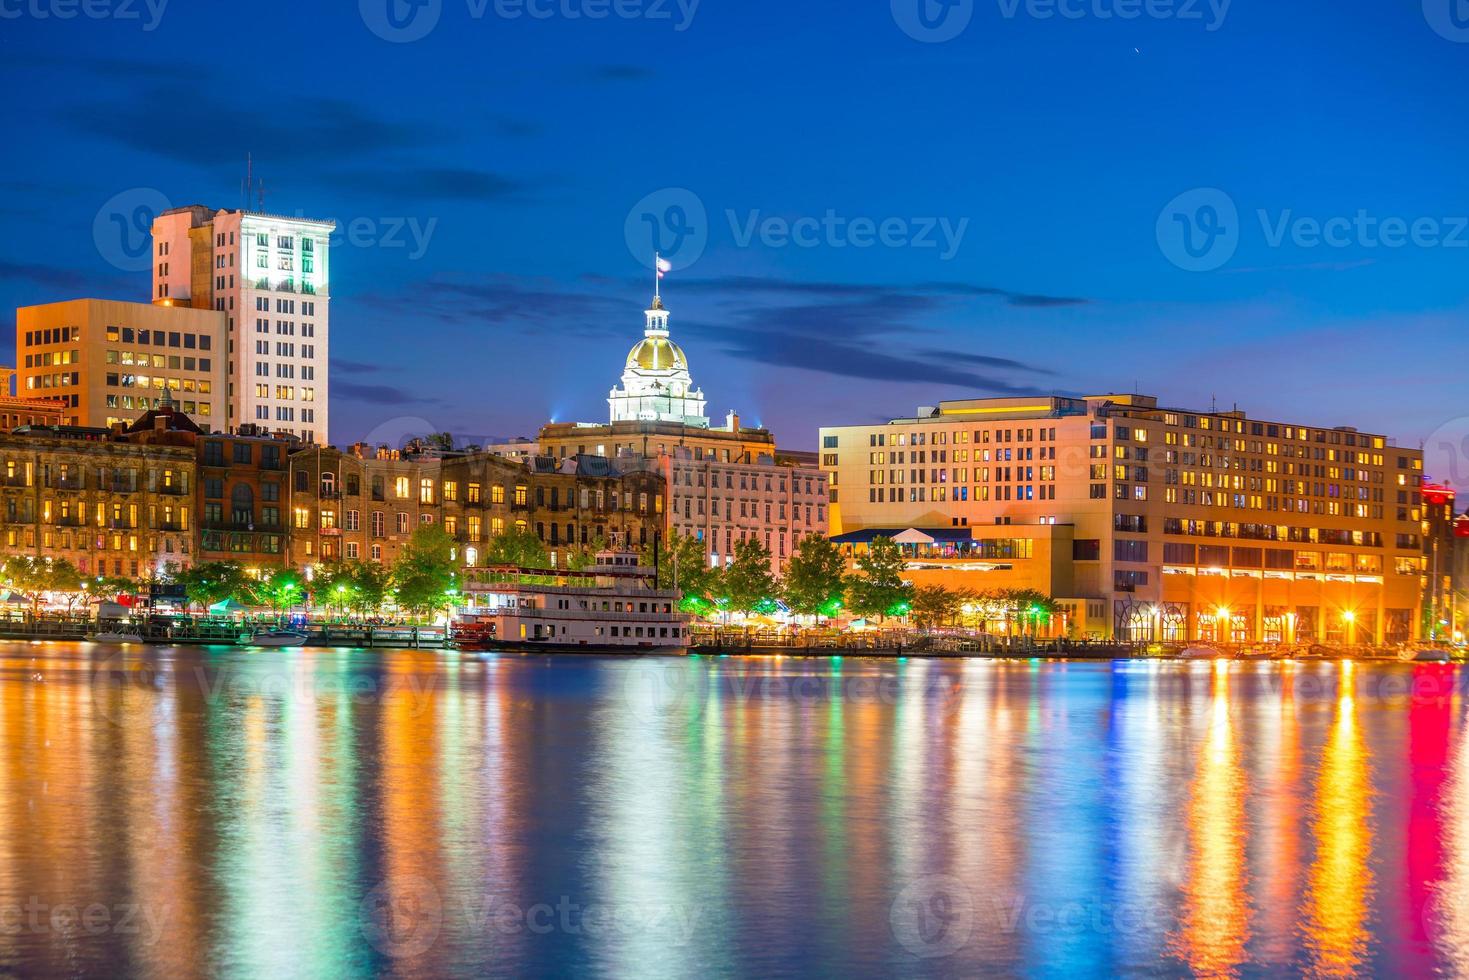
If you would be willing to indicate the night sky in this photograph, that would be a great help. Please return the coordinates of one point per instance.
(1026, 174)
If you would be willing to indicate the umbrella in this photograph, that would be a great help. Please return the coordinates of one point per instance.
(16, 599)
(227, 606)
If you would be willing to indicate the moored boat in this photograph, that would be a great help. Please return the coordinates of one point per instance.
(615, 606)
(275, 638)
(121, 634)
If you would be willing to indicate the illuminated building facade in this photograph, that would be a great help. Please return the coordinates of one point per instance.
(1146, 522)
(110, 361)
(366, 503)
(726, 484)
(17, 410)
(656, 384)
(111, 502)
(269, 276)
(243, 496)
(1440, 547)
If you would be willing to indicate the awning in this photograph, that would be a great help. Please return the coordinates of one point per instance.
(909, 535)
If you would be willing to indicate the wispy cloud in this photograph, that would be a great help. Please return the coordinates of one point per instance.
(448, 183)
(377, 394)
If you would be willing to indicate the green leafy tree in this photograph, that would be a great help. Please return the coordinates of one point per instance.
(35, 576)
(878, 589)
(934, 605)
(334, 585)
(213, 582)
(748, 583)
(426, 572)
(682, 560)
(371, 583)
(282, 589)
(519, 547)
(585, 556)
(816, 578)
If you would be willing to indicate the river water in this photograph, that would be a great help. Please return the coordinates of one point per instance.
(222, 812)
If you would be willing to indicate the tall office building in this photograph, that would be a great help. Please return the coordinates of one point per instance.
(1148, 522)
(269, 275)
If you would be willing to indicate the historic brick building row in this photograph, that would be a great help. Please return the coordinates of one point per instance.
(133, 499)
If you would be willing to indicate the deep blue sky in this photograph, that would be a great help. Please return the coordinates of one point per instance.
(528, 142)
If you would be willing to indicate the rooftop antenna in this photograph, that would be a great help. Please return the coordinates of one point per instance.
(1213, 404)
(252, 186)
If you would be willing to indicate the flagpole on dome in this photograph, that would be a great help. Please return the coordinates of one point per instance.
(661, 267)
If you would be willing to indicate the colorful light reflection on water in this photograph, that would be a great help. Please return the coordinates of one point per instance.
(359, 813)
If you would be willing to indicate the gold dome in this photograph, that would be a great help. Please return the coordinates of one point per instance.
(657, 354)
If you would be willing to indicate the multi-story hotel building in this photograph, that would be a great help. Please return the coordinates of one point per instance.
(110, 361)
(1146, 522)
(366, 503)
(269, 275)
(725, 484)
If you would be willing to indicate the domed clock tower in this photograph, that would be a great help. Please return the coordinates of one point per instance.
(656, 386)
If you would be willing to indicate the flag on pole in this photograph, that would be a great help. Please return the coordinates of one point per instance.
(664, 266)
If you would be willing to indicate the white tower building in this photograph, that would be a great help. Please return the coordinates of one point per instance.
(269, 274)
(656, 385)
